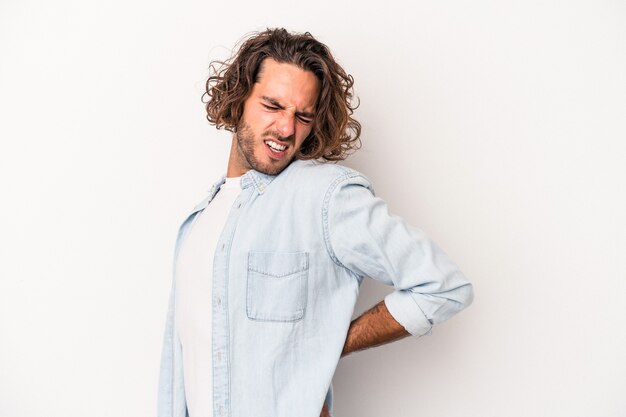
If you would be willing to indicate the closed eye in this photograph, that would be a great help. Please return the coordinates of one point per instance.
(271, 105)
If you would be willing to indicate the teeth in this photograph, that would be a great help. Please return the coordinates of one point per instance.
(276, 146)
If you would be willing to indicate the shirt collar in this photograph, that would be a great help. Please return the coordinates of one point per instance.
(259, 180)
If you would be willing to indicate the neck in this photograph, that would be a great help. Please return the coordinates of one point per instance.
(235, 166)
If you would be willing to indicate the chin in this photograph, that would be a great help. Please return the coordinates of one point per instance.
(271, 169)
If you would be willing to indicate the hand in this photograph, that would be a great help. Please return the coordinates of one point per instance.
(325, 412)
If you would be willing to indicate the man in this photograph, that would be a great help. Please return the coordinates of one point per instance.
(268, 267)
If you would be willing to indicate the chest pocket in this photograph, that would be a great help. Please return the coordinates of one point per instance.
(277, 285)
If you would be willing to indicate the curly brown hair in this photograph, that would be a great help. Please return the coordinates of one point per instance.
(335, 133)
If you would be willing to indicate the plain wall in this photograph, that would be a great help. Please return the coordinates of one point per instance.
(497, 127)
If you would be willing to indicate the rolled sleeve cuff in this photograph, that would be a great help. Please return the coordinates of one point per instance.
(406, 312)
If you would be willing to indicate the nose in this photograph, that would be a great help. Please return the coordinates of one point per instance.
(285, 125)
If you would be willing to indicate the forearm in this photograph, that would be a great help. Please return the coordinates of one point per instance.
(373, 328)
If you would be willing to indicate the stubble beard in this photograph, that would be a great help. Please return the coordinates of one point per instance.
(245, 147)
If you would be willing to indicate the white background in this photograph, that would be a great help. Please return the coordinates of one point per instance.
(497, 127)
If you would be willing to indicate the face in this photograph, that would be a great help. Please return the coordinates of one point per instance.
(277, 117)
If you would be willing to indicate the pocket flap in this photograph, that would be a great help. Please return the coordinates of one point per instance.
(278, 264)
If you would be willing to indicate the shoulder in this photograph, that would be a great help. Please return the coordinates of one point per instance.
(323, 176)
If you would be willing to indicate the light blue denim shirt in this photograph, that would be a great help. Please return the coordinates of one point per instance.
(287, 270)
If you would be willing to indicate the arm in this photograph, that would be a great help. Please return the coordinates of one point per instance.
(375, 327)
(363, 237)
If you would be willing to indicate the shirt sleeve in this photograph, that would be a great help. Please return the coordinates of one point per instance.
(362, 236)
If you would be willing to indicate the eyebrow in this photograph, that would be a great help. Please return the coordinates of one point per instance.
(275, 103)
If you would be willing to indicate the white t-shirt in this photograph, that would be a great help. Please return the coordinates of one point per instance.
(194, 272)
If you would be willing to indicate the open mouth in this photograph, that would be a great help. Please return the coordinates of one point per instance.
(275, 149)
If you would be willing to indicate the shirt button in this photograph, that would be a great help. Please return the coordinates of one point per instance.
(219, 356)
(223, 245)
(219, 301)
